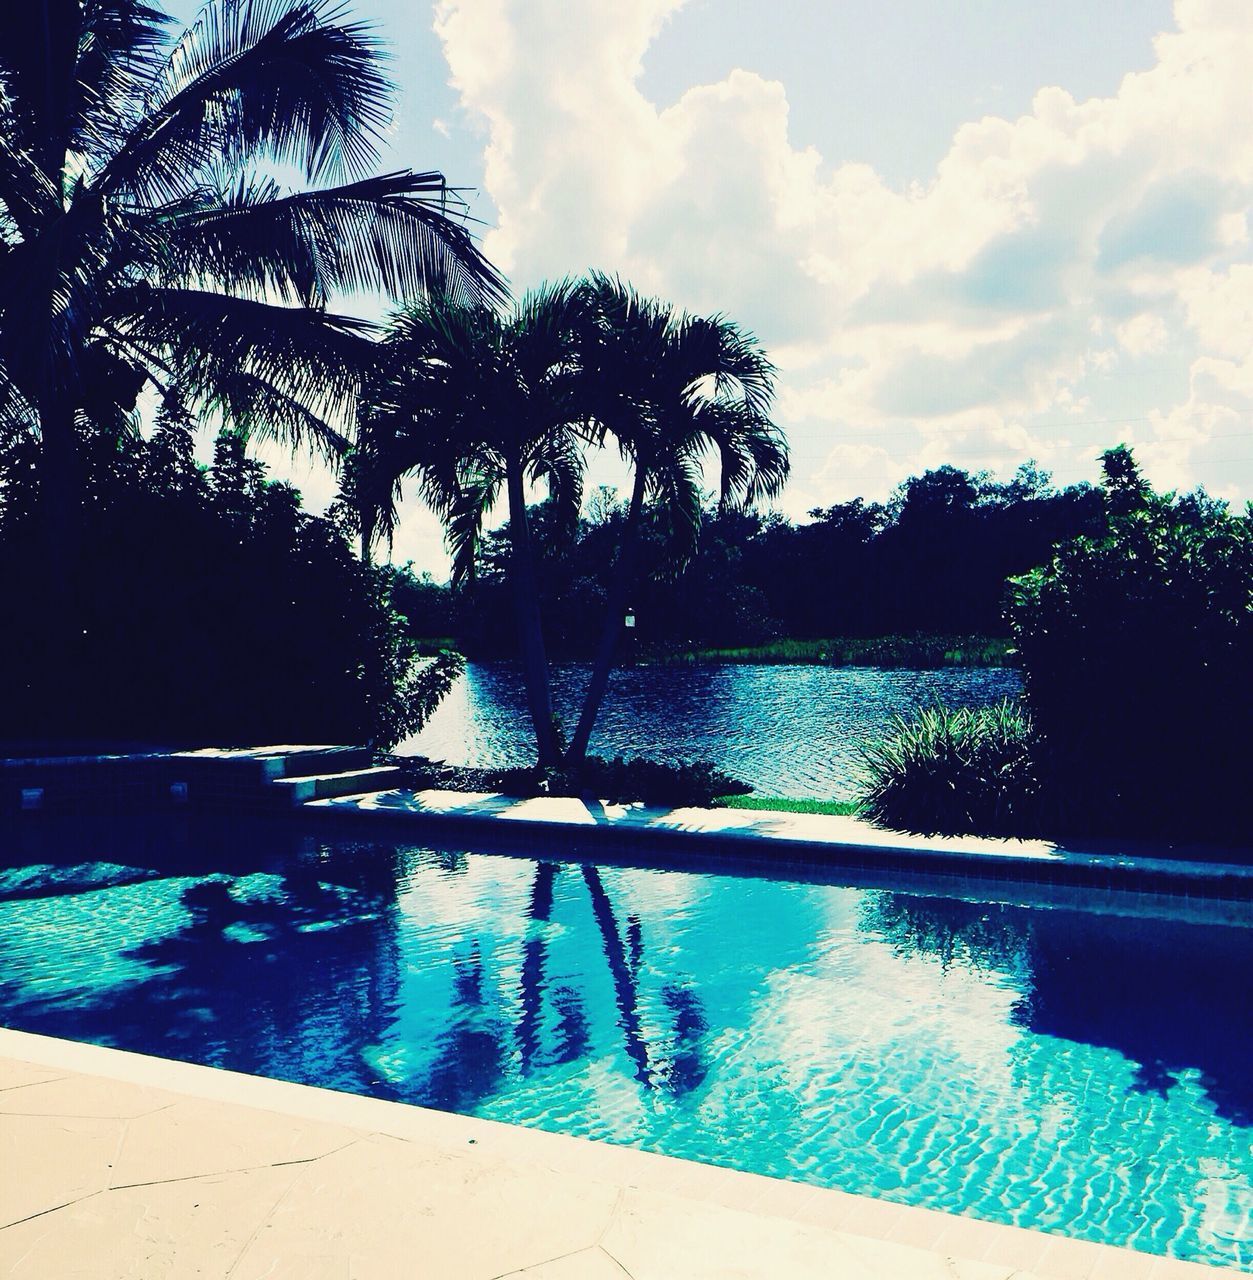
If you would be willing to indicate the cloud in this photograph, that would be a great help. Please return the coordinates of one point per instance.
(1143, 335)
(1010, 304)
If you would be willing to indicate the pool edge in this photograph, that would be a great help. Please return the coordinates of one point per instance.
(941, 1234)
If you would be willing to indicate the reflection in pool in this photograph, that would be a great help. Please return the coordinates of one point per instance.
(1082, 1071)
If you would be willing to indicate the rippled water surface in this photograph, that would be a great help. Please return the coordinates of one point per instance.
(787, 730)
(1075, 1070)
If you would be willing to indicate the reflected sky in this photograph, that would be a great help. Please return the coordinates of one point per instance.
(786, 730)
(1056, 1069)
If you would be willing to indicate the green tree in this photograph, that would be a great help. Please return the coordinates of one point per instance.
(212, 609)
(476, 403)
(1137, 653)
(672, 390)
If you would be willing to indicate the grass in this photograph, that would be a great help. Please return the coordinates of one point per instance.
(857, 651)
(784, 804)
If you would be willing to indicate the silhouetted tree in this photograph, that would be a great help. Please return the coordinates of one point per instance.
(475, 403)
(138, 245)
(670, 388)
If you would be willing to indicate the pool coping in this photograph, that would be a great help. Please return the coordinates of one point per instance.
(768, 839)
(943, 1235)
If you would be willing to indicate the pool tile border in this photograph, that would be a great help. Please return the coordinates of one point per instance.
(1038, 1254)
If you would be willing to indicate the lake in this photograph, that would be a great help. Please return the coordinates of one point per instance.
(788, 730)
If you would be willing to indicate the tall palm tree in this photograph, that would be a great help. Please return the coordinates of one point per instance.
(475, 403)
(673, 390)
(141, 242)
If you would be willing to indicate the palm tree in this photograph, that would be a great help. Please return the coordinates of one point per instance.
(141, 242)
(474, 403)
(673, 390)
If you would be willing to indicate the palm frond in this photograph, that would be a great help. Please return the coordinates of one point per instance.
(121, 43)
(257, 409)
(676, 491)
(214, 341)
(288, 80)
(476, 495)
(17, 414)
(752, 452)
(558, 461)
(391, 233)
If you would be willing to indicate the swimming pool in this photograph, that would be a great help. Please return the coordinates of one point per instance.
(1072, 1070)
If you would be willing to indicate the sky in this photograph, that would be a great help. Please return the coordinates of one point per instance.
(966, 231)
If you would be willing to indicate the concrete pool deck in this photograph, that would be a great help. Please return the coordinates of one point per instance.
(114, 1165)
(786, 840)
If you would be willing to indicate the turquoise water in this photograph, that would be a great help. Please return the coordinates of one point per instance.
(1079, 1071)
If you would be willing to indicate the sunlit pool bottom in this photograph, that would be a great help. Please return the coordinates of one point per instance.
(1086, 1072)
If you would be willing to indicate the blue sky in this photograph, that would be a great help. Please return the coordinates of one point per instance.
(975, 231)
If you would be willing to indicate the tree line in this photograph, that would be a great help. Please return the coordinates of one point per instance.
(932, 560)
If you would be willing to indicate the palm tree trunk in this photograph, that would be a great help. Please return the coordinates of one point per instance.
(365, 515)
(530, 627)
(619, 589)
(61, 537)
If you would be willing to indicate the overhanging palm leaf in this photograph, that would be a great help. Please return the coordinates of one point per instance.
(285, 78)
(389, 233)
(123, 212)
(222, 346)
(476, 493)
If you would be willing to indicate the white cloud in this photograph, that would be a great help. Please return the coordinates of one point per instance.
(1049, 262)
(1143, 335)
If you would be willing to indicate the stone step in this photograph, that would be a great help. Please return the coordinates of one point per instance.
(272, 762)
(316, 761)
(324, 786)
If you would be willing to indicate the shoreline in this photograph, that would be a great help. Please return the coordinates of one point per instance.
(887, 653)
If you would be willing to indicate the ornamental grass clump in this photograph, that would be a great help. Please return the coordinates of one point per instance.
(953, 772)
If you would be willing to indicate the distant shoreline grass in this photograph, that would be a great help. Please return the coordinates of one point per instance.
(782, 804)
(917, 652)
(856, 651)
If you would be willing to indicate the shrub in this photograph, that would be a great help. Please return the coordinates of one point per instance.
(1137, 656)
(1136, 646)
(666, 785)
(949, 772)
(209, 608)
(615, 781)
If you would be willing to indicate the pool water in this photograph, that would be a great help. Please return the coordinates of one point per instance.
(1081, 1071)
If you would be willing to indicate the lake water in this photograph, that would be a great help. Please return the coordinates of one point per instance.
(787, 730)
(1073, 1064)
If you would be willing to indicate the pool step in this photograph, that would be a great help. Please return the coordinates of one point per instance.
(352, 782)
(269, 763)
(319, 761)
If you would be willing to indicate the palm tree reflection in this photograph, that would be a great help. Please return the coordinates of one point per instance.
(677, 1071)
(626, 992)
(532, 975)
(471, 1059)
